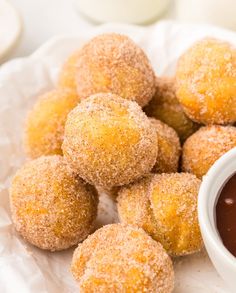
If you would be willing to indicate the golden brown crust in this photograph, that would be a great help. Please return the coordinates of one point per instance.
(206, 82)
(67, 75)
(109, 141)
(122, 258)
(114, 63)
(51, 207)
(204, 147)
(44, 129)
(165, 107)
(169, 148)
(165, 206)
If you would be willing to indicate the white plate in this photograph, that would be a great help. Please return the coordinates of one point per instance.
(24, 268)
(10, 27)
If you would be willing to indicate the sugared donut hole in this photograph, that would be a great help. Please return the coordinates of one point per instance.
(109, 141)
(164, 106)
(51, 207)
(168, 148)
(113, 63)
(206, 82)
(165, 206)
(204, 147)
(44, 129)
(122, 258)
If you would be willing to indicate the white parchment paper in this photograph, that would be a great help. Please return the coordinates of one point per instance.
(24, 268)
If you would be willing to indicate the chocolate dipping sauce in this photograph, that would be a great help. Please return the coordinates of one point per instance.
(226, 215)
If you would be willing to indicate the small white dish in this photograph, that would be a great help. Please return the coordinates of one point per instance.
(213, 182)
(10, 27)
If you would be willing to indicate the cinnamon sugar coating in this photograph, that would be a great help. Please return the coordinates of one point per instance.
(51, 207)
(169, 148)
(206, 82)
(67, 74)
(122, 258)
(113, 63)
(109, 141)
(164, 106)
(44, 129)
(165, 206)
(203, 148)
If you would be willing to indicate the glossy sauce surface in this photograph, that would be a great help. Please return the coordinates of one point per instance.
(226, 214)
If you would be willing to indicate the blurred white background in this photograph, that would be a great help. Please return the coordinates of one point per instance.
(43, 19)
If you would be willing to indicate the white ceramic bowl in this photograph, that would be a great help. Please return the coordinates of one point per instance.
(212, 184)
